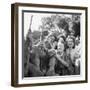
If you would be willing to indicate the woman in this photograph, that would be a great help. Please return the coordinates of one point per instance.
(71, 53)
(62, 64)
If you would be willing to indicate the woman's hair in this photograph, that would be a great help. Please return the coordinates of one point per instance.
(62, 38)
(70, 37)
(63, 42)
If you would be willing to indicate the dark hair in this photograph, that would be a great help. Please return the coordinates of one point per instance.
(63, 42)
(70, 37)
(52, 35)
(62, 38)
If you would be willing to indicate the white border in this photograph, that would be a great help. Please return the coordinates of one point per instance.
(53, 78)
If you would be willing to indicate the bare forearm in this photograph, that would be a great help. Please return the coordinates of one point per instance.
(62, 61)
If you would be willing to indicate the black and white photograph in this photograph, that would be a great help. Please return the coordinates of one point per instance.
(50, 44)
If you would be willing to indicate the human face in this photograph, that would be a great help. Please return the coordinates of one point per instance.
(60, 47)
(70, 43)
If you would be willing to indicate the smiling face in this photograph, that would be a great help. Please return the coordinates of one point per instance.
(70, 43)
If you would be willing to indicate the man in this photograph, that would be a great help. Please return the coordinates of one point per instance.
(32, 68)
(50, 46)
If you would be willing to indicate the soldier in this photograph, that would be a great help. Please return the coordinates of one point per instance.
(50, 46)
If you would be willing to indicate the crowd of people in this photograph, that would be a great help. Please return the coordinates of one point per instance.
(57, 54)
